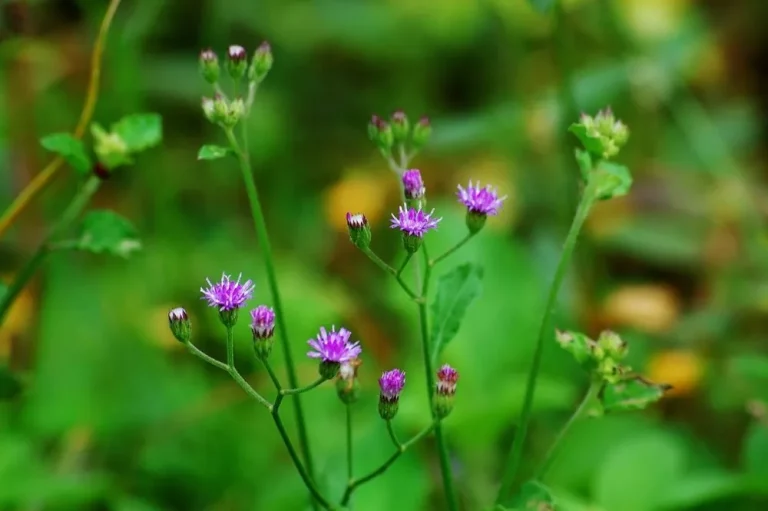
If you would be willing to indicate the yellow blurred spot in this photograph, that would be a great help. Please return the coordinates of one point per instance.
(541, 124)
(495, 171)
(653, 19)
(157, 330)
(18, 320)
(607, 217)
(651, 308)
(364, 192)
(681, 369)
(708, 68)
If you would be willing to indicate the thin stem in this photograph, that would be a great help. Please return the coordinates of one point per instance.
(593, 390)
(305, 476)
(272, 375)
(545, 332)
(392, 435)
(44, 177)
(387, 268)
(200, 354)
(233, 372)
(349, 441)
(263, 239)
(70, 214)
(383, 468)
(300, 390)
(452, 249)
(404, 264)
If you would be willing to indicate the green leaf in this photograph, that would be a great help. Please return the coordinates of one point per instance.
(542, 5)
(213, 152)
(139, 131)
(69, 148)
(455, 291)
(581, 347)
(584, 161)
(533, 496)
(591, 143)
(634, 393)
(106, 231)
(613, 180)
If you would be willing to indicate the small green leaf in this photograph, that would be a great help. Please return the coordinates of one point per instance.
(542, 5)
(455, 291)
(106, 231)
(213, 152)
(633, 393)
(584, 161)
(591, 143)
(139, 131)
(581, 347)
(614, 180)
(533, 496)
(69, 148)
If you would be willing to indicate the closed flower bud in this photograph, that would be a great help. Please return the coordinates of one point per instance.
(413, 188)
(178, 320)
(613, 345)
(620, 133)
(401, 128)
(422, 131)
(263, 329)
(445, 389)
(359, 230)
(380, 132)
(261, 63)
(209, 109)
(220, 109)
(235, 112)
(209, 66)
(237, 61)
(391, 385)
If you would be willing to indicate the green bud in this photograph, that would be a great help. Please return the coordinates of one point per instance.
(209, 66)
(401, 128)
(263, 347)
(110, 148)
(237, 62)
(359, 230)
(209, 109)
(178, 320)
(235, 112)
(380, 132)
(328, 369)
(613, 345)
(261, 63)
(422, 131)
(620, 133)
(228, 317)
(475, 221)
(609, 370)
(578, 345)
(388, 408)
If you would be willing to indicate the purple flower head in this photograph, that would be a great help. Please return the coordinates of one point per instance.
(237, 53)
(413, 184)
(391, 384)
(334, 346)
(482, 201)
(356, 221)
(177, 314)
(228, 295)
(414, 222)
(447, 377)
(262, 322)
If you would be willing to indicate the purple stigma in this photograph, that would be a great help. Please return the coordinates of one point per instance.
(262, 322)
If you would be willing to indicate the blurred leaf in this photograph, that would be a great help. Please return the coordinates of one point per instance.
(638, 472)
(755, 451)
(69, 148)
(533, 496)
(697, 490)
(110, 148)
(542, 5)
(590, 143)
(631, 394)
(139, 131)
(614, 180)
(213, 152)
(106, 231)
(584, 161)
(579, 346)
(10, 385)
(455, 291)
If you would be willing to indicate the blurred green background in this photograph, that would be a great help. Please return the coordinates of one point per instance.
(107, 411)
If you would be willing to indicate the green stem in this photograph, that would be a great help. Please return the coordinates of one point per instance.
(300, 390)
(272, 376)
(200, 354)
(70, 214)
(453, 249)
(233, 372)
(392, 435)
(545, 332)
(592, 392)
(383, 468)
(405, 263)
(442, 448)
(263, 239)
(387, 268)
(349, 441)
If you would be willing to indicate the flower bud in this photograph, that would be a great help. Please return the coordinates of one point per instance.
(445, 389)
(209, 66)
(209, 109)
(237, 61)
(422, 131)
(235, 112)
(609, 370)
(391, 384)
(380, 132)
(359, 230)
(263, 329)
(220, 109)
(401, 128)
(178, 320)
(413, 187)
(261, 63)
(612, 345)
(347, 385)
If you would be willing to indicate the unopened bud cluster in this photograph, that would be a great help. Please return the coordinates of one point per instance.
(601, 357)
(400, 132)
(604, 128)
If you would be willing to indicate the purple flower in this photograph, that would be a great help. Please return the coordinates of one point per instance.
(414, 222)
(262, 322)
(391, 384)
(482, 201)
(447, 377)
(228, 295)
(334, 346)
(413, 184)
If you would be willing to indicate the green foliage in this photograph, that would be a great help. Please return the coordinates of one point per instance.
(455, 292)
(613, 180)
(71, 149)
(130, 135)
(533, 496)
(213, 152)
(592, 142)
(543, 5)
(107, 232)
(631, 393)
